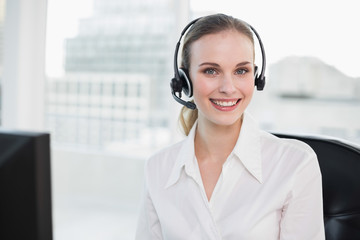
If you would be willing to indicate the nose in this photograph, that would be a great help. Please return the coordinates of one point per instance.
(227, 85)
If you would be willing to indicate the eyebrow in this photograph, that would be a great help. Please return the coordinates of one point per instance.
(217, 65)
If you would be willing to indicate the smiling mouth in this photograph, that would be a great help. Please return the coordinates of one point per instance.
(222, 103)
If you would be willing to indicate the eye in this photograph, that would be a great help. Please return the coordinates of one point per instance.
(210, 71)
(241, 71)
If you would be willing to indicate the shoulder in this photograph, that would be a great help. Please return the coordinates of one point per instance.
(289, 153)
(164, 159)
(160, 166)
(271, 143)
(290, 161)
(296, 147)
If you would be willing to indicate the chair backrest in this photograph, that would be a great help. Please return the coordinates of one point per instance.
(340, 167)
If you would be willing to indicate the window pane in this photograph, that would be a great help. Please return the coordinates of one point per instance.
(107, 108)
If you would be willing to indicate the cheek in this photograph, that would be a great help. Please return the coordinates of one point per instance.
(245, 87)
(249, 88)
(248, 85)
(203, 86)
(201, 89)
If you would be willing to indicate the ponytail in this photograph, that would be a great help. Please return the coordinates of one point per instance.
(187, 119)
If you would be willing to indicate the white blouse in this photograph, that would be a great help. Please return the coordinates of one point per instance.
(269, 188)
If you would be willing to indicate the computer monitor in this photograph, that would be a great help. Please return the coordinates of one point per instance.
(25, 186)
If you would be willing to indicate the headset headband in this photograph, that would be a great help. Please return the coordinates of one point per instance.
(176, 70)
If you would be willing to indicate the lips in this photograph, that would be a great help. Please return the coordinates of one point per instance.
(225, 104)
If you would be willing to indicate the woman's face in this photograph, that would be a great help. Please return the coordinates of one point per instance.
(222, 73)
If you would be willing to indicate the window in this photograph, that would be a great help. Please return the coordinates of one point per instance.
(109, 102)
(105, 107)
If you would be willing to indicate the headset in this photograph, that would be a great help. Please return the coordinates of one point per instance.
(182, 82)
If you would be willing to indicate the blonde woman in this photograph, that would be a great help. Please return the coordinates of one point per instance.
(228, 179)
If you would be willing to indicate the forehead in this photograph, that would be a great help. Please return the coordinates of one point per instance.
(224, 45)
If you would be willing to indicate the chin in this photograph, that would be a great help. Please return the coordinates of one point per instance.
(226, 121)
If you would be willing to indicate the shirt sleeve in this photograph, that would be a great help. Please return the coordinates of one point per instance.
(148, 226)
(302, 216)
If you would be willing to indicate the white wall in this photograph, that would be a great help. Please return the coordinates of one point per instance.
(23, 80)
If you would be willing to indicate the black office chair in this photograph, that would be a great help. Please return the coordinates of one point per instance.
(340, 167)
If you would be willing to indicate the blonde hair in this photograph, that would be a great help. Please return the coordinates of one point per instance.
(187, 118)
(206, 25)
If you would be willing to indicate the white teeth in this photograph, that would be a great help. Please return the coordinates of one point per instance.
(224, 104)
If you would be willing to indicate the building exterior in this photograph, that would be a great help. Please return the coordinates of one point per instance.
(97, 109)
(117, 74)
(128, 37)
(307, 96)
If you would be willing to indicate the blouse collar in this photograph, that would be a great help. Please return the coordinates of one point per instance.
(247, 149)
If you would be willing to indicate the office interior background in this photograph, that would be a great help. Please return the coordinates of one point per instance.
(96, 73)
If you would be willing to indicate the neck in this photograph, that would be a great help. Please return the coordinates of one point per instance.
(215, 142)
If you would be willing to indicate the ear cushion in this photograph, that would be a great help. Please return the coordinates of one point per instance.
(259, 81)
(176, 85)
(186, 82)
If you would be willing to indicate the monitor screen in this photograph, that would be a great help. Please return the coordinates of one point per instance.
(25, 186)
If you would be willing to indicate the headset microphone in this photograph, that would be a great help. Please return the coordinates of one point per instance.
(187, 104)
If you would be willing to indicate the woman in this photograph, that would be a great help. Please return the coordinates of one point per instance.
(228, 179)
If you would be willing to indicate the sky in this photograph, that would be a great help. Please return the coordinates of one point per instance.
(325, 29)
